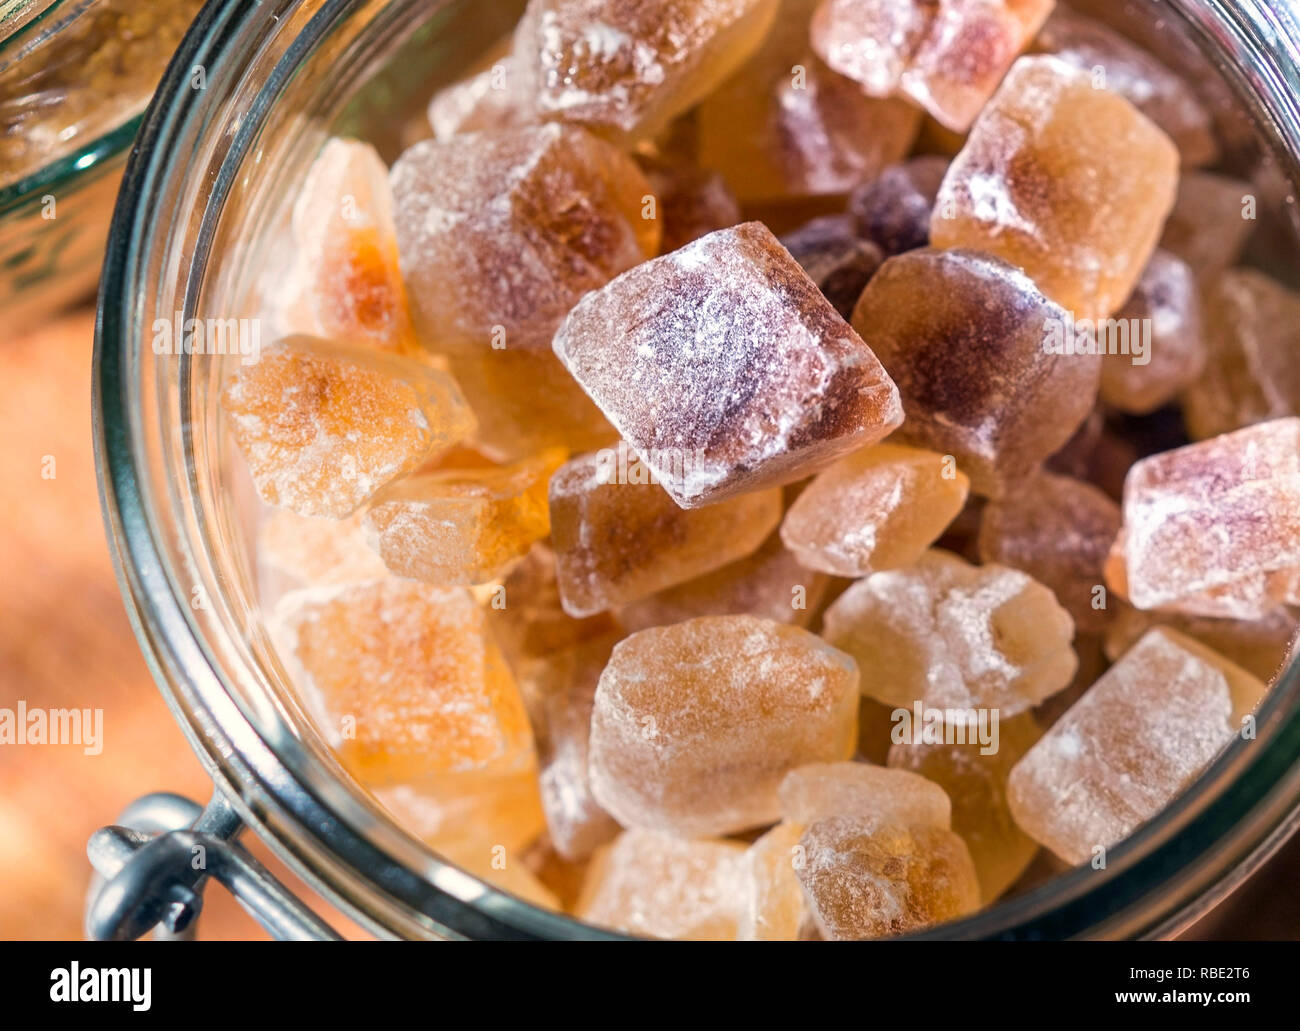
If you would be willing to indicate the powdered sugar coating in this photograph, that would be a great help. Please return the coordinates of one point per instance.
(725, 368)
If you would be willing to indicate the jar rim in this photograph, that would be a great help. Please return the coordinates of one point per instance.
(1197, 849)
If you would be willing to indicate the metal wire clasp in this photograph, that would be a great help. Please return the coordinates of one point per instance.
(152, 867)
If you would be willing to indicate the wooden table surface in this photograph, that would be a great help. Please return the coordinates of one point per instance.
(65, 641)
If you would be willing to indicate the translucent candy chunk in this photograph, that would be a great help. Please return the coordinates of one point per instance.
(835, 257)
(865, 792)
(1059, 531)
(1252, 328)
(311, 552)
(877, 509)
(661, 886)
(977, 785)
(893, 210)
(1130, 745)
(776, 910)
(526, 401)
(954, 636)
(965, 336)
(1259, 646)
(863, 879)
(692, 202)
(785, 125)
(1209, 224)
(1116, 63)
(565, 684)
(501, 232)
(345, 282)
(947, 56)
(725, 368)
(626, 68)
(1166, 309)
(463, 526)
(405, 679)
(696, 724)
(1071, 184)
(323, 426)
(460, 814)
(1213, 515)
(769, 583)
(490, 99)
(618, 537)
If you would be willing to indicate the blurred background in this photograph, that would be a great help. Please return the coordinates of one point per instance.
(64, 636)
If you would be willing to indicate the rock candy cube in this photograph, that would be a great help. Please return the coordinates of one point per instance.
(880, 508)
(696, 724)
(1071, 184)
(306, 552)
(948, 56)
(769, 583)
(662, 886)
(836, 259)
(893, 210)
(1059, 531)
(1166, 308)
(501, 232)
(346, 280)
(785, 125)
(953, 636)
(863, 791)
(463, 526)
(863, 879)
(1252, 329)
(965, 337)
(1143, 732)
(976, 783)
(1118, 64)
(1213, 515)
(725, 369)
(626, 68)
(323, 427)
(618, 538)
(404, 678)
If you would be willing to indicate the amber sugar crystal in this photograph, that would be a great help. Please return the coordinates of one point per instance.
(619, 539)
(405, 677)
(463, 526)
(347, 275)
(695, 724)
(625, 68)
(865, 791)
(880, 508)
(954, 636)
(501, 232)
(1070, 183)
(963, 335)
(324, 426)
(725, 369)
(1139, 736)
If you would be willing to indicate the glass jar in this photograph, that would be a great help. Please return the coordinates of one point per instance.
(203, 204)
